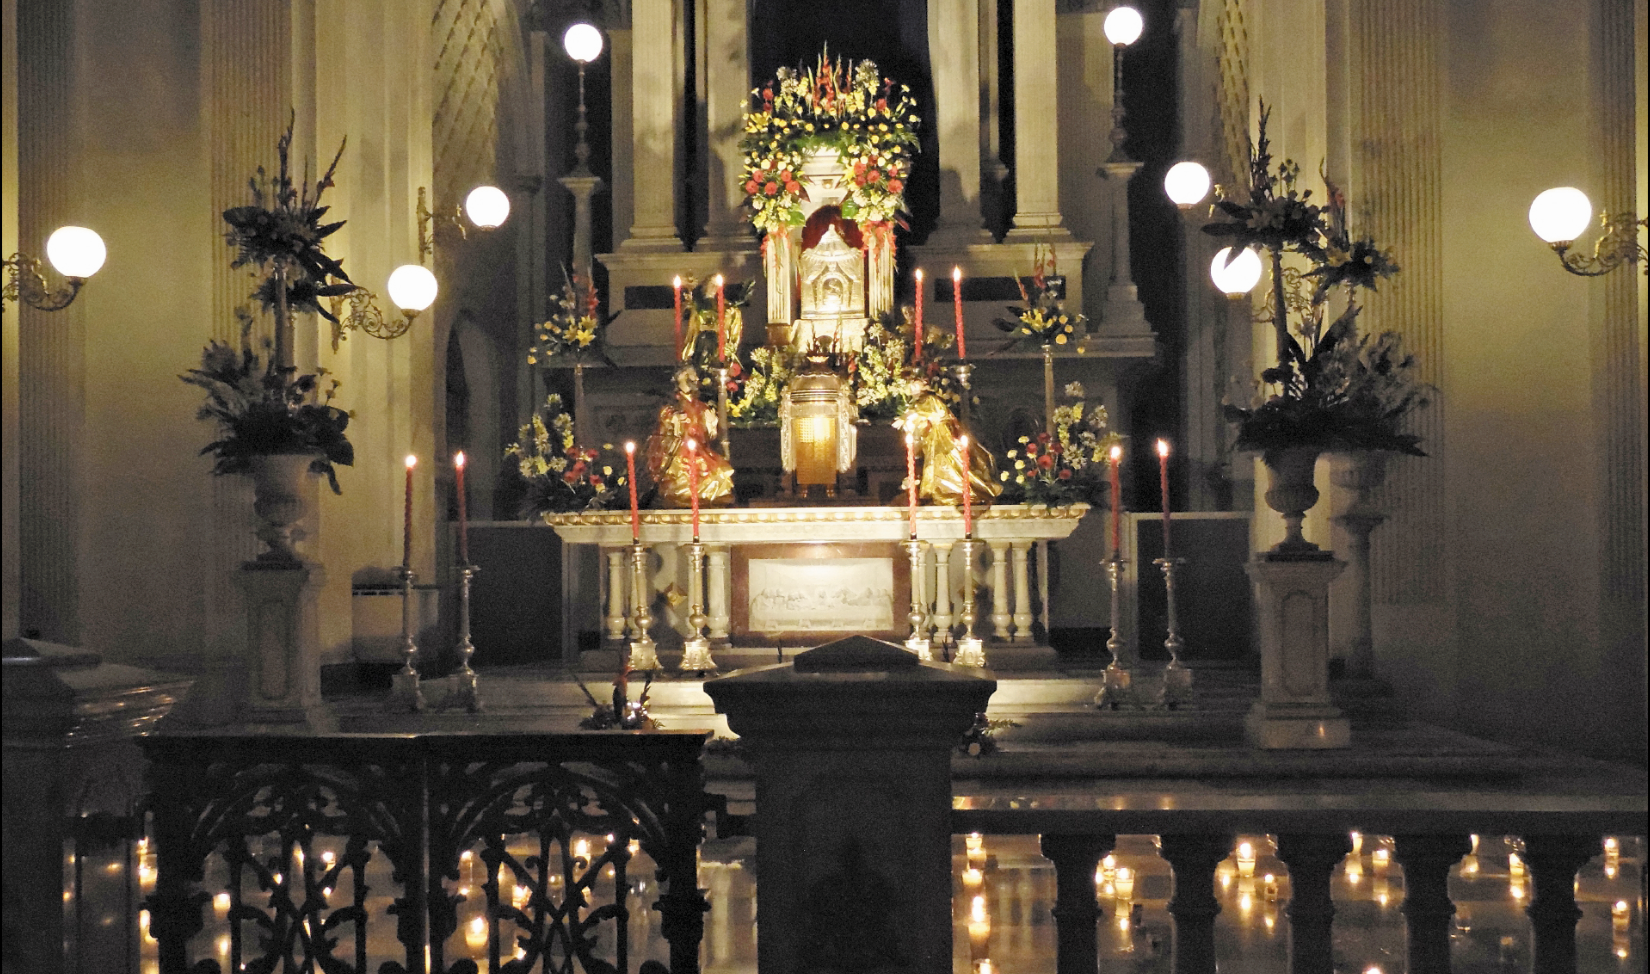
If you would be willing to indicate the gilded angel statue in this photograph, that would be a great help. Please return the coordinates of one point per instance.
(936, 432)
(682, 419)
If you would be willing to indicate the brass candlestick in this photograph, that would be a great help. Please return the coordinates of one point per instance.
(643, 654)
(467, 694)
(970, 651)
(405, 692)
(1177, 679)
(696, 651)
(918, 640)
(1118, 687)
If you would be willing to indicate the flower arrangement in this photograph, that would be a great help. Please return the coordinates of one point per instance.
(1350, 391)
(576, 328)
(281, 234)
(867, 118)
(755, 402)
(623, 713)
(1044, 319)
(561, 475)
(1063, 467)
(261, 409)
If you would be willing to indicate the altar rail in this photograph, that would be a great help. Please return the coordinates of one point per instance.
(1430, 835)
(292, 853)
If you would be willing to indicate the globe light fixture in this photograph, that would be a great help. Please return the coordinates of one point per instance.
(75, 252)
(412, 287)
(583, 42)
(1239, 277)
(487, 207)
(1123, 26)
(1560, 215)
(1187, 183)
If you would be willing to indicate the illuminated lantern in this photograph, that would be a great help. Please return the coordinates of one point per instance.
(817, 438)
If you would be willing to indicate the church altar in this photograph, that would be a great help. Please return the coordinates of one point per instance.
(799, 576)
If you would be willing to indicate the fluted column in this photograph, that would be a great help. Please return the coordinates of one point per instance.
(1022, 592)
(653, 113)
(1075, 911)
(727, 88)
(954, 53)
(1001, 609)
(1554, 861)
(1194, 907)
(1427, 860)
(1312, 860)
(1036, 124)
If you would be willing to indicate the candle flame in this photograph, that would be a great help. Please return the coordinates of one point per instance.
(412, 461)
(963, 442)
(458, 459)
(1116, 453)
(676, 281)
(630, 446)
(956, 273)
(692, 445)
(918, 273)
(1162, 448)
(718, 280)
(910, 440)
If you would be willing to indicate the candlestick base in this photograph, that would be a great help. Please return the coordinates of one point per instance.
(921, 647)
(970, 652)
(696, 656)
(406, 693)
(1117, 681)
(1177, 679)
(466, 693)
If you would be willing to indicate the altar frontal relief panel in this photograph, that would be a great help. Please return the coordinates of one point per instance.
(806, 594)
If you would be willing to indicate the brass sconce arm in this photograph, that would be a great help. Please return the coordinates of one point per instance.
(27, 285)
(1619, 245)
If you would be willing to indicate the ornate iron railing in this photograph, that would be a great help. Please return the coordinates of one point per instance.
(295, 853)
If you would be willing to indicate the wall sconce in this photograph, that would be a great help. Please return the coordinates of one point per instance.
(1187, 184)
(1123, 27)
(412, 288)
(75, 252)
(1239, 276)
(486, 206)
(1559, 216)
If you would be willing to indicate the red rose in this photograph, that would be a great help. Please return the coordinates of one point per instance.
(595, 481)
(895, 185)
(1045, 461)
(733, 370)
(772, 189)
(570, 477)
(882, 104)
(752, 186)
(1065, 474)
(1042, 437)
(1031, 449)
(793, 188)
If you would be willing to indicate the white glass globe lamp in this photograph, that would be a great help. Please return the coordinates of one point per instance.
(487, 207)
(1123, 26)
(1187, 183)
(1558, 216)
(76, 251)
(412, 288)
(583, 43)
(1240, 276)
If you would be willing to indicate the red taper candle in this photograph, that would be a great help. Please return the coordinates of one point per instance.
(406, 518)
(721, 321)
(463, 519)
(693, 483)
(917, 351)
(635, 510)
(676, 289)
(1116, 505)
(1163, 476)
(956, 302)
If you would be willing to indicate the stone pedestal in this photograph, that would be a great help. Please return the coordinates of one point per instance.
(283, 645)
(1292, 602)
(852, 746)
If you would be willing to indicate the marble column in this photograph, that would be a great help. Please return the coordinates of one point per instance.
(1001, 601)
(1427, 860)
(941, 613)
(954, 55)
(727, 83)
(653, 113)
(1554, 861)
(1194, 907)
(616, 618)
(1075, 910)
(1312, 859)
(1022, 592)
(1036, 125)
(718, 580)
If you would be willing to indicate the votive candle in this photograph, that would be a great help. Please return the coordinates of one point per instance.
(956, 303)
(406, 518)
(967, 489)
(1116, 505)
(721, 321)
(676, 292)
(1163, 477)
(463, 520)
(693, 483)
(911, 480)
(917, 342)
(630, 477)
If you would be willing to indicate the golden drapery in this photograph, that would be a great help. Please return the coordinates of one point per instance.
(941, 481)
(667, 455)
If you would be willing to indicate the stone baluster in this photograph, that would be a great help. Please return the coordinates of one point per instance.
(1312, 860)
(1075, 858)
(1554, 861)
(1427, 860)
(1001, 614)
(1194, 907)
(941, 617)
(617, 617)
(1022, 592)
(717, 585)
